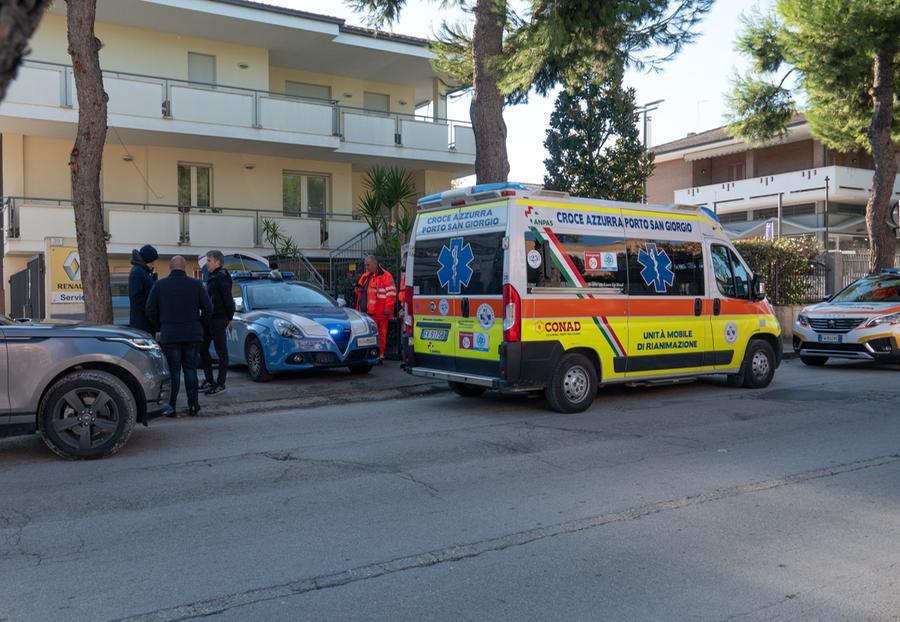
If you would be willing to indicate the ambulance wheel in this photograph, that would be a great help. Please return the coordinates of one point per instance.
(466, 390)
(758, 367)
(814, 361)
(573, 385)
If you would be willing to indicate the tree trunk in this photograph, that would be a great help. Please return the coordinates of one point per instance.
(486, 109)
(882, 239)
(86, 158)
(18, 20)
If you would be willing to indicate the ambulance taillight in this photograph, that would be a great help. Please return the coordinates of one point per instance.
(512, 314)
(408, 311)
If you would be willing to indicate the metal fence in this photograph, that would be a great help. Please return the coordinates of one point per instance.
(856, 266)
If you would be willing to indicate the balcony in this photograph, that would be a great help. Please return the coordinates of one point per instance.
(173, 229)
(845, 185)
(46, 92)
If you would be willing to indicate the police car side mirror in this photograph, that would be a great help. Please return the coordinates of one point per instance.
(238, 305)
(827, 297)
(341, 301)
(758, 288)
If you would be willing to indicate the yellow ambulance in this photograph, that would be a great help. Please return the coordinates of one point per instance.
(516, 289)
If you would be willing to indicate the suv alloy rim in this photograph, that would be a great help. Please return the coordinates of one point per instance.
(85, 418)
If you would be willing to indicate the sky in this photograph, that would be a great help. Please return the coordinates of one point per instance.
(693, 85)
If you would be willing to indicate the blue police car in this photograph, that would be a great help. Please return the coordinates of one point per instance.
(285, 325)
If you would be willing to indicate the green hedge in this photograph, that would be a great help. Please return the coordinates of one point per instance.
(786, 265)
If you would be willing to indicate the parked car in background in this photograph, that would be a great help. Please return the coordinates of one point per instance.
(82, 387)
(285, 325)
(861, 322)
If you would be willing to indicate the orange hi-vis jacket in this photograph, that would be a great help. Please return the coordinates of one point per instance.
(381, 293)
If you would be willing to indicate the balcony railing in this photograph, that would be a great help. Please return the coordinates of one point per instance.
(52, 85)
(33, 219)
(844, 184)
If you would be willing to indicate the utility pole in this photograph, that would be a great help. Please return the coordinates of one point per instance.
(643, 110)
(826, 212)
(780, 213)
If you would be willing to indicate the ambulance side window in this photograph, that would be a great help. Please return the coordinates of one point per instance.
(665, 268)
(732, 278)
(570, 259)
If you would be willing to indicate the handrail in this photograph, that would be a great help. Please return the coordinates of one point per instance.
(273, 213)
(315, 100)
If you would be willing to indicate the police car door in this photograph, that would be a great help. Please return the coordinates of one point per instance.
(458, 267)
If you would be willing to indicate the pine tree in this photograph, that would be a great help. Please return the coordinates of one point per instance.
(593, 143)
(845, 57)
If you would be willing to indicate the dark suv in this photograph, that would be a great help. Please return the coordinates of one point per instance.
(83, 387)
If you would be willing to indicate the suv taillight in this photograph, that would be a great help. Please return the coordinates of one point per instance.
(408, 311)
(512, 314)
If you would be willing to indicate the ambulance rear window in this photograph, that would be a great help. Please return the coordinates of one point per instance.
(461, 265)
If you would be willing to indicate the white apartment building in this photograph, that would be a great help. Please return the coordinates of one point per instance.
(821, 192)
(223, 114)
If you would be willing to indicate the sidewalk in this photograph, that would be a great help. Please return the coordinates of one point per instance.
(310, 389)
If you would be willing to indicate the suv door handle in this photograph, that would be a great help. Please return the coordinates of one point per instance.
(717, 306)
(698, 306)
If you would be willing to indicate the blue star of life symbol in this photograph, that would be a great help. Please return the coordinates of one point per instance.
(657, 270)
(455, 271)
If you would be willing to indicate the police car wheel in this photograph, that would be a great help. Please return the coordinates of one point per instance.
(256, 362)
(573, 385)
(466, 390)
(759, 365)
(814, 361)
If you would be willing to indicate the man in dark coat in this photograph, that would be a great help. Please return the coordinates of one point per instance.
(140, 282)
(180, 306)
(218, 286)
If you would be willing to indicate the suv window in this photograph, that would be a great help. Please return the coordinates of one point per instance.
(732, 278)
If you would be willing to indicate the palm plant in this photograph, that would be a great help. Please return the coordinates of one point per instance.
(385, 205)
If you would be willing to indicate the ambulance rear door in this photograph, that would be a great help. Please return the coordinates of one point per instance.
(459, 263)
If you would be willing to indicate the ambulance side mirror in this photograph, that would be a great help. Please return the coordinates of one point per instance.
(757, 288)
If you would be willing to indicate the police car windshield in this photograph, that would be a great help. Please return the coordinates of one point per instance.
(281, 295)
(877, 288)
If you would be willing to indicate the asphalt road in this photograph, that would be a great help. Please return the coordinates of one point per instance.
(690, 502)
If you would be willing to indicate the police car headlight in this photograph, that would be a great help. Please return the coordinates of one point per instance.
(372, 326)
(287, 329)
(884, 320)
(803, 320)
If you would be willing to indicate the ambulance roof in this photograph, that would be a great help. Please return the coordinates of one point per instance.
(487, 192)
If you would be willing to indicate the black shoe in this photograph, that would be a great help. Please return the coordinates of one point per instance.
(194, 411)
(215, 389)
(207, 385)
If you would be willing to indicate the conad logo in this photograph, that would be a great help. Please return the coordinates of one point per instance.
(560, 327)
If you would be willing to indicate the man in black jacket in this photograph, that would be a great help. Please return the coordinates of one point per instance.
(218, 286)
(140, 282)
(180, 307)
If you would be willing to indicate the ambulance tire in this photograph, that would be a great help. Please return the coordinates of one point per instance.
(573, 385)
(466, 390)
(814, 361)
(758, 367)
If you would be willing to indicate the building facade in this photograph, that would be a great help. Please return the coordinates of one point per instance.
(819, 192)
(223, 115)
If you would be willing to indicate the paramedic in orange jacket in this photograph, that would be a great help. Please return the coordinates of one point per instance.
(376, 295)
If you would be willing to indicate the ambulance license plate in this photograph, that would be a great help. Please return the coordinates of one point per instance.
(830, 338)
(435, 334)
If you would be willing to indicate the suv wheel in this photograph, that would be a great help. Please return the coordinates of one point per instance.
(573, 385)
(256, 362)
(87, 414)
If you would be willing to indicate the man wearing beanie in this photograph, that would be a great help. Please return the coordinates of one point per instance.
(140, 282)
(180, 306)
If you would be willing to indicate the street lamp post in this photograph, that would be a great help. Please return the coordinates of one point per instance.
(643, 110)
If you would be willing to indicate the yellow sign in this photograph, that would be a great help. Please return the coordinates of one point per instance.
(65, 275)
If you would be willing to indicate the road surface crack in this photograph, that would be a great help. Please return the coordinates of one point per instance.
(459, 552)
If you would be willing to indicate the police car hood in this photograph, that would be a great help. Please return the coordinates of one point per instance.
(844, 308)
(314, 323)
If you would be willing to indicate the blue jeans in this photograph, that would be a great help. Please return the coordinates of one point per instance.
(182, 356)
